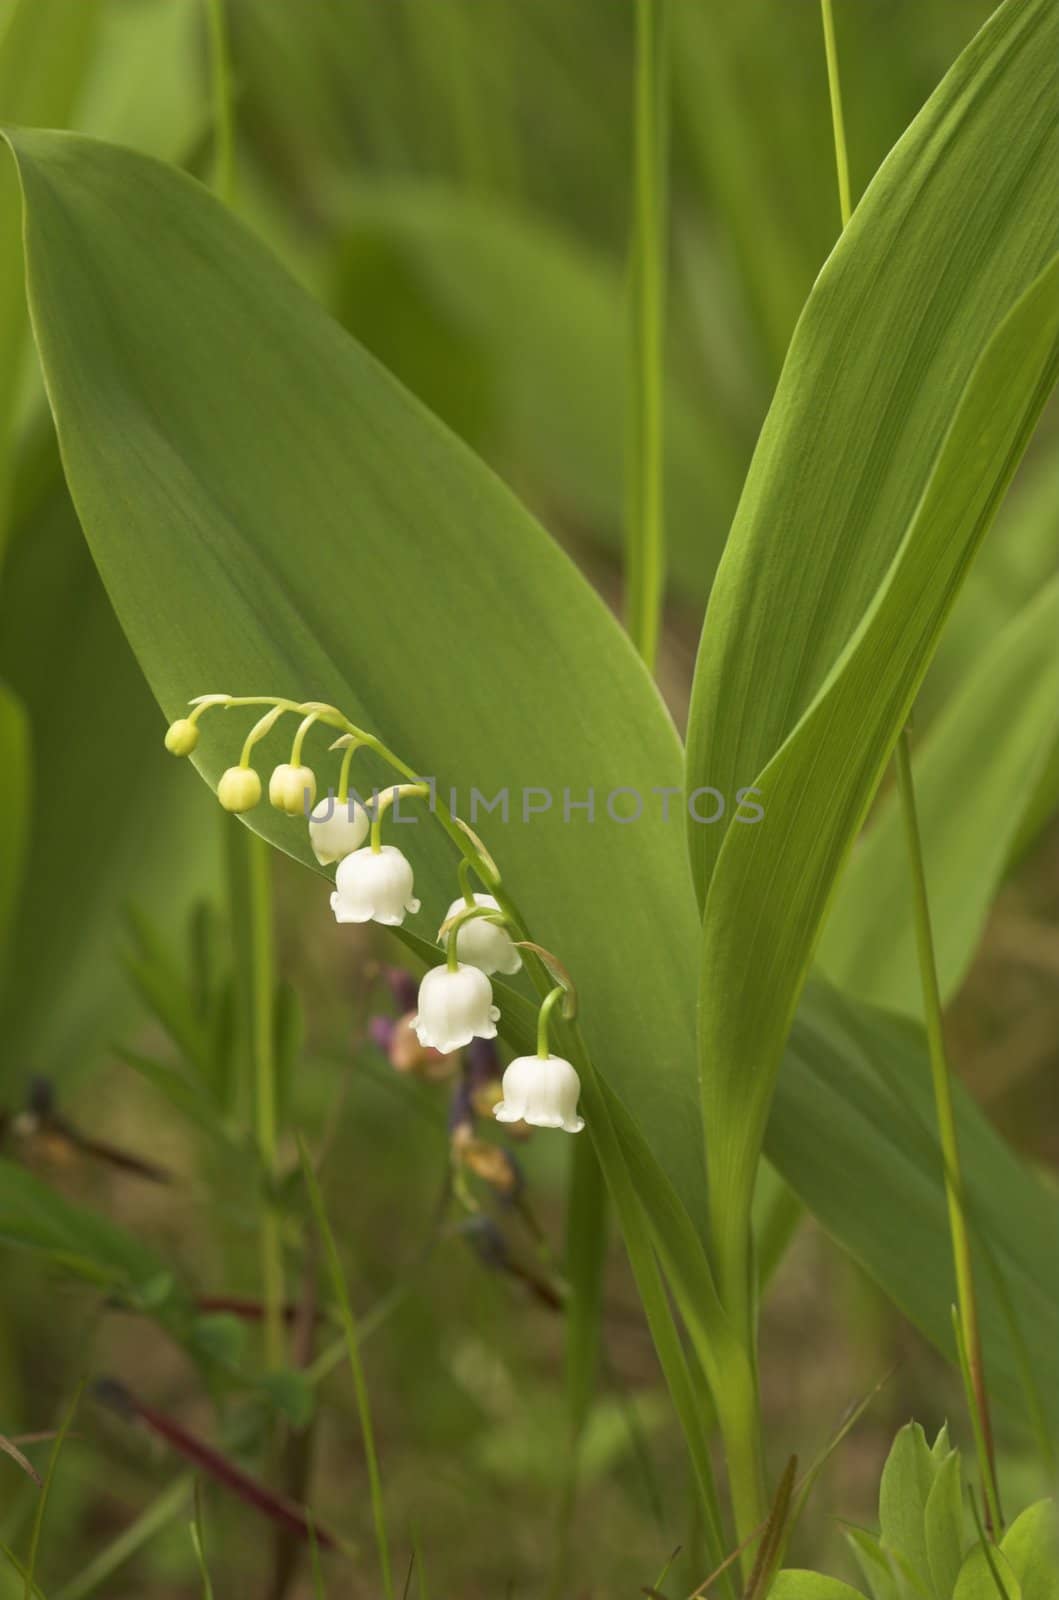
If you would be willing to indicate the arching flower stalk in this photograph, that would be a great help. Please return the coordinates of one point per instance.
(375, 882)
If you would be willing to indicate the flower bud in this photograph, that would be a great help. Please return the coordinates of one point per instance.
(482, 943)
(374, 886)
(292, 789)
(454, 1008)
(543, 1091)
(239, 789)
(337, 828)
(181, 737)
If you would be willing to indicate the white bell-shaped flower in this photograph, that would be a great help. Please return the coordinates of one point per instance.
(541, 1090)
(374, 886)
(337, 828)
(454, 1008)
(482, 943)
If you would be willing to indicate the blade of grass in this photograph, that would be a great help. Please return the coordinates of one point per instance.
(645, 536)
(223, 118)
(586, 1248)
(971, 1339)
(349, 1328)
(16, 1566)
(42, 1503)
(198, 1540)
(168, 1505)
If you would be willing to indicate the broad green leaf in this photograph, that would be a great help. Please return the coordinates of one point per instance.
(858, 433)
(944, 1524)
(907, 1480)
(14, 808)
(290, 506)
(853, 1131)
(45, 50)
(111, 824)
(795, 1585)
(979, 765)
(271, 512)
(770, 891)
(1018, 559)
(986, 1575)
(513, 332)
(1031, 1546)
(885, 349)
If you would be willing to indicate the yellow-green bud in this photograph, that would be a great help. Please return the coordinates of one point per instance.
(292, 789)
(239, 789)
(181, 737)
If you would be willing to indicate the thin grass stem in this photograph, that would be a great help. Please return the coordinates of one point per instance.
(158, 1515)
(261, 960)
(645, 530)
(950, 1149)
(837, 120)
(42, 1504)
(223, 112)
(356, 1366)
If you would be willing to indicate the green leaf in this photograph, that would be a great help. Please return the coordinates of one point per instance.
(918, 369)
(980, 763)
(907, 1480)
(34, 1217)
(944, 1526)
(795, 1585)
(111, 821)
(1031, 1546)
(291, 1392)
(1018, 559)
(874, 1563)
(14, 808)
(45, 50)
(986, 1575)
(853, 1131)
(771, 887)
(220, 1337)
(184, 1094)
(887, 344)
(271, 512)
(513, 332)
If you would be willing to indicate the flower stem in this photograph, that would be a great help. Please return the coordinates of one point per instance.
(950, 1149)
(645, 526)
(464, 872)
(262, 1039)
(385, 800)
(548, 1005)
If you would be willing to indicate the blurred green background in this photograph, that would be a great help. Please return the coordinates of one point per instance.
(451, 179)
